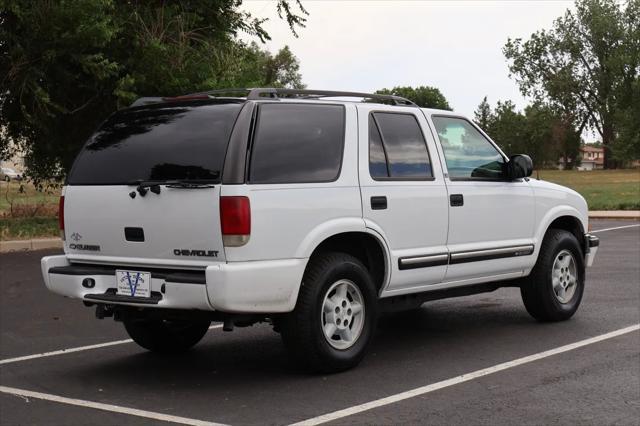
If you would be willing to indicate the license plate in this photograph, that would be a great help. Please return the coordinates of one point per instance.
(133, 283)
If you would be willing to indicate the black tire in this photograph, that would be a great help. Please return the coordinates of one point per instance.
(537, 289)
(7, 179)
(164, 336)
(302, 331)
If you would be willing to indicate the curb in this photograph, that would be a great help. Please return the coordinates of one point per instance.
(614, 214)
(49, 243)
(30, 245)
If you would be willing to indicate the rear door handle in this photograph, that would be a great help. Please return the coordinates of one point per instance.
(378, 203)
(456, 200)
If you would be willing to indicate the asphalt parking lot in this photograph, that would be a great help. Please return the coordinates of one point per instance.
(472, 360)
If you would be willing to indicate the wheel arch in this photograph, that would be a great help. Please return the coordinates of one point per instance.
(566, 218)
(366, 246)
(571, 224)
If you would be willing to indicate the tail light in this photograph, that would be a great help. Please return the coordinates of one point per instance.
(61, 216)
(235, 220)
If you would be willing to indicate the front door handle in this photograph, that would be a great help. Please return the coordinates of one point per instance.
(378, 203)
(456, 200)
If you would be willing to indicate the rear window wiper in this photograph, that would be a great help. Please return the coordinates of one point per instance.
(143, 186)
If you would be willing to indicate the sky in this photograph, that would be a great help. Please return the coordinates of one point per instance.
(453, 45)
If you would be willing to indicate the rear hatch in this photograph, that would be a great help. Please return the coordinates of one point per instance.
(145, 189)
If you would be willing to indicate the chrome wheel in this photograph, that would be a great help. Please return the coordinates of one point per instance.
(564, 276)
(342, 315)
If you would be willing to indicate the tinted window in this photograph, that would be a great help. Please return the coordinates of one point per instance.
(297, 143)
(186, 140)
(377, 157)
(404, 147)
(467, 152)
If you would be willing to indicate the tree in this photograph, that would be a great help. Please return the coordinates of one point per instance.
(66, 65)
(483, 116)
(423, 96)
(585, 66)
(628, 140)
(508, 128)
(262, 69)
(549, 136)
(541, 131)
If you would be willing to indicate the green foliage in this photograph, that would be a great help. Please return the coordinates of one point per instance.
(68, 64)
(587, 66)
(627, 145)
(540, 132)
(24, 228)
(508, 128)
(259, 68)
(423, 96)
(483, 114)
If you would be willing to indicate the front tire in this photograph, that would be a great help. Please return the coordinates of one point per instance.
(335, 315)
(164, 336)
(553, 291)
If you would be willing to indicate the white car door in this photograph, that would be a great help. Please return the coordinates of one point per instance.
(491, 220)
(404, 196)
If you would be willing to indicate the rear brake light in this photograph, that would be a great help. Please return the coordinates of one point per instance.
(61, 216)
(235, 220)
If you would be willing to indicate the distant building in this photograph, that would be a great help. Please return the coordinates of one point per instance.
(16, 161)
(592, 157)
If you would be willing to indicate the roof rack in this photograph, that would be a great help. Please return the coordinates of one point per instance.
(278, 93)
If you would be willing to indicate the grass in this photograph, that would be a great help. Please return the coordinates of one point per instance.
(28, 197)
(24, 228)
(603, 189)
(29, 213)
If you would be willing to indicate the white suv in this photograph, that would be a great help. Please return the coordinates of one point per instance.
(308, 211)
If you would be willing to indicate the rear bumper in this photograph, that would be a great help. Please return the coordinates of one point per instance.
(591, 243)
(168, 290)
(240, 287)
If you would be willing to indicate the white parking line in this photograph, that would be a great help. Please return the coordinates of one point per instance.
(78, 349)
(617, 227)
(460, 379)
(107, 407)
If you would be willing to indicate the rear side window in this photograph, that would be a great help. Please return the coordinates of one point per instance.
(397, 148)
(377, 157)
(158, 142)
(297, 143)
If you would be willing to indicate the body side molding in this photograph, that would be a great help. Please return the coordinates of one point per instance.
(464, 256)
(423, 261)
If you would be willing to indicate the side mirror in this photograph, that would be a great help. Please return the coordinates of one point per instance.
(519, 166)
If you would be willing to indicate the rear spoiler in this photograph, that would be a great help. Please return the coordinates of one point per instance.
(155, 99)
(146, 100)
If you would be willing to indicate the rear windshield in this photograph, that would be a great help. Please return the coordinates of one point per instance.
(159, 142)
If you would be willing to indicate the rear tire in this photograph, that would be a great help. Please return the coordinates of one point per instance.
(165, 336)
(553, 291)
(335, 315)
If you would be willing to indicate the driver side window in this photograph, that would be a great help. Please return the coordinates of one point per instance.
(468, 154)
